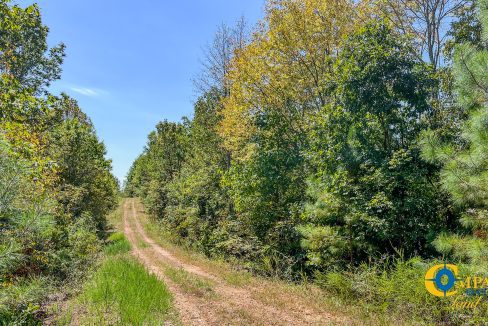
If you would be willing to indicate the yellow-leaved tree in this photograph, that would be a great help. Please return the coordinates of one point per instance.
(285, 67)
(277, 83)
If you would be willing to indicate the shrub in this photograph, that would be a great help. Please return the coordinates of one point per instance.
(20, 302)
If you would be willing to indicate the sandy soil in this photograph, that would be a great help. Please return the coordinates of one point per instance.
(230, 305)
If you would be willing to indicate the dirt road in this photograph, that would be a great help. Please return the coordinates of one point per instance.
(225, 304)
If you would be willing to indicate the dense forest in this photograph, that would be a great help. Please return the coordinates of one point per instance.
(340, 141)
(56, 185)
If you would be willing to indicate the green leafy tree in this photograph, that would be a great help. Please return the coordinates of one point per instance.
(466, 29)
(27, 66)
(268, 187)
(197, 192)
(86, 185)
(137, 178)
(160, 163)
(24, 52)
(373, 192)
(194, 202)
(56, 185)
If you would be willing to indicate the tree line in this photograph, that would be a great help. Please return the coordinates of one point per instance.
(332, 134)
(56, 186)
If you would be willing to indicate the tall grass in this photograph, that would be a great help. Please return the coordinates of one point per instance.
(396, 289)
(117, 244)
(123, 290)
(120, 292)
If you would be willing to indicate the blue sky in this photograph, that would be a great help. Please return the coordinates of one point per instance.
(130, 64)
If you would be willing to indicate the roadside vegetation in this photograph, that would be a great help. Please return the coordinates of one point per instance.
(119, 292)
(338, 142)
(56, 186)
(338, 148)
(363, 296)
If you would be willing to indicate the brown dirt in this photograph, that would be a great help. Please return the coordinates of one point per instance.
(230, 305)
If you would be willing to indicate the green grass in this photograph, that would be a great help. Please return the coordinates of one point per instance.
(117, 244)
(120, 292)
(190, 283)
(123, 291)
(397, 293)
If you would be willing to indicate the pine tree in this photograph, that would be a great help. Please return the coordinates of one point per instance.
(465, 163)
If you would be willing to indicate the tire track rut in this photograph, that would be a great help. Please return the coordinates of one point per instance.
(231, 305)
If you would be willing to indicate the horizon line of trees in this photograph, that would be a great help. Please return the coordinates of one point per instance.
(334, 133)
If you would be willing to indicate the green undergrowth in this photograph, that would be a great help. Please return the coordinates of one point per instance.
(19, 303)
(396, 291)
(384, 292)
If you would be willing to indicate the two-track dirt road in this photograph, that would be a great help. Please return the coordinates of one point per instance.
(228, 304)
